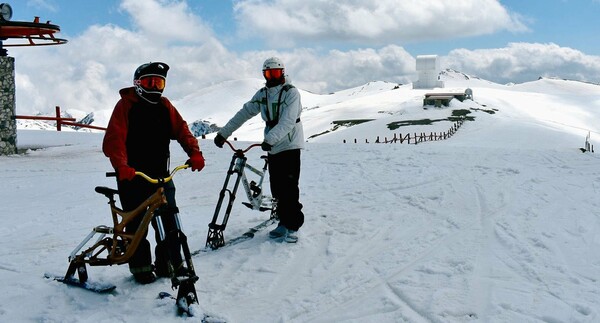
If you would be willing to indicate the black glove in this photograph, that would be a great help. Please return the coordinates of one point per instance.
(265, 146)
(219, 140)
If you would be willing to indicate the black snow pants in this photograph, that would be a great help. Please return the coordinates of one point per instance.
(132, 194)
(284, 175)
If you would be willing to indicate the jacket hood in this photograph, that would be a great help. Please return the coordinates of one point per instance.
(130, 94)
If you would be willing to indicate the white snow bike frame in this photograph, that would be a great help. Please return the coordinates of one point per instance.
(256, 199)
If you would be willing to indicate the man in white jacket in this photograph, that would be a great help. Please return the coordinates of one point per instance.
(279, 105)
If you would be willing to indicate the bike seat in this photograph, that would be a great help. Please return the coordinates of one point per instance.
(106, 191)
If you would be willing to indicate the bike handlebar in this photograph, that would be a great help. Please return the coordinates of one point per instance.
(161, 180)
(242, 151)
(155, 180)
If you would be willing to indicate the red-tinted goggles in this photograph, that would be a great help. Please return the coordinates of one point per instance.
(152, 82)
(273, 73)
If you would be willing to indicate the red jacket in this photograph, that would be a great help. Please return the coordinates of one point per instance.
(139, 134)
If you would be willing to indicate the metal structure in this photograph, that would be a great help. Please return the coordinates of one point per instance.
(21, 33)
(13, 34)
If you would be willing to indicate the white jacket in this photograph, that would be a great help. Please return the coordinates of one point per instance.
(287, 133)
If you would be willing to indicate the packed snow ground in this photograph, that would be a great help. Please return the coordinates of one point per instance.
(500, 223)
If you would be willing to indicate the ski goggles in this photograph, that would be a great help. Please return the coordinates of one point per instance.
(152, 82)
(273, 74)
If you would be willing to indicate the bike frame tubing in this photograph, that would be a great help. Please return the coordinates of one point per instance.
(215, 233)
(215, 237)
(254, 199)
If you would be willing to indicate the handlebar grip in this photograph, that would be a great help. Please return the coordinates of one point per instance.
(111, 174)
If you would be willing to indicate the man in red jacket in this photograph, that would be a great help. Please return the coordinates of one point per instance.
(139, 132)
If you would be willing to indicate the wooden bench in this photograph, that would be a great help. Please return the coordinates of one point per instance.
(439, 99)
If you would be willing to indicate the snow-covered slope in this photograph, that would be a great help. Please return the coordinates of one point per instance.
(366, 112)
(543, 101)
(497, 224)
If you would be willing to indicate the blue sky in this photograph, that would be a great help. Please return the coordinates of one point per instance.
(327, 45)
(569, 23)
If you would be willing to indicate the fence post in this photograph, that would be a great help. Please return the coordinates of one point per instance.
(58, 120)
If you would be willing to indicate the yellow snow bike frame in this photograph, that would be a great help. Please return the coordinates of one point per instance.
(115, 246)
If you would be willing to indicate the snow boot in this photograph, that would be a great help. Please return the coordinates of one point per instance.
(291, 236)
(162, 269)
(279, 232)
(144, 278)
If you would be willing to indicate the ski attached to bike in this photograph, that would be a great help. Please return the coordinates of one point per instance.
(241, 238)
(184, 309)
(96, 287)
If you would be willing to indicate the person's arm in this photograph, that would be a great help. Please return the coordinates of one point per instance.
(249, 110)
(113, 144)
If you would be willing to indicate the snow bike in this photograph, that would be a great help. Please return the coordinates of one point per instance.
(114, 246)
(256, 199)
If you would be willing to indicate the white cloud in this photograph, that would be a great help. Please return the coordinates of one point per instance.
(286, 22)
(43, 4)
(87, 72)
(522, 62)
(336, 70)
(167, 20)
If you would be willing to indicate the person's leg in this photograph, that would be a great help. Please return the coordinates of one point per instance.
(132, 194)
(284, 175)
(170, 248)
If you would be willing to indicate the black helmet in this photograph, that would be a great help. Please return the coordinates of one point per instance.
(149, 81)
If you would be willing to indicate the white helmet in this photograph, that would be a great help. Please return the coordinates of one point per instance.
(272, 63)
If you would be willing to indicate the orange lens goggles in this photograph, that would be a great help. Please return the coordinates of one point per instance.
(153, 83)
(273, 73)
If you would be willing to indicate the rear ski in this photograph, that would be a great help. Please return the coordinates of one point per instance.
(96, 287)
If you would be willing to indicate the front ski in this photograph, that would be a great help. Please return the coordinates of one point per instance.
(184, 309)
(182, 305)
(245, 236)
(96, 287)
